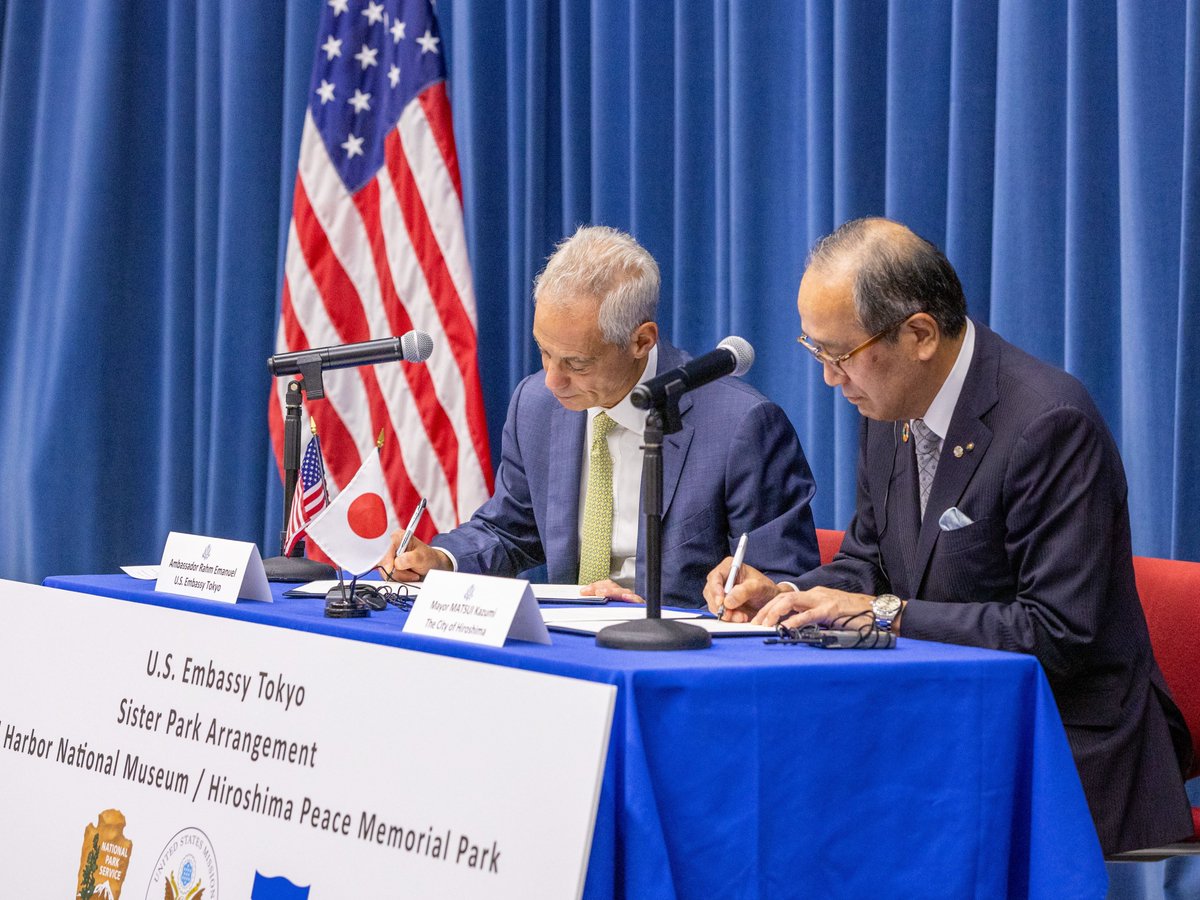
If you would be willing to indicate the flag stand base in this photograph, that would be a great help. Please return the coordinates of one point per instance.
(340, 604)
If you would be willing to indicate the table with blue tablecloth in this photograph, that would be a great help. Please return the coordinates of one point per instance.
(768, 770)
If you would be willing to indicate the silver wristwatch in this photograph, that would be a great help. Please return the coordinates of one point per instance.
(885, 607)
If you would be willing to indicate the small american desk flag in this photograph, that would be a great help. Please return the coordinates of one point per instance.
(376, 248)
(311, 495)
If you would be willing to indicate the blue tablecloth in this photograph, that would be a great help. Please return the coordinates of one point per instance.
(752, 770)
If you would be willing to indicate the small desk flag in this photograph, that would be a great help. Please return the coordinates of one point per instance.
(355, 528)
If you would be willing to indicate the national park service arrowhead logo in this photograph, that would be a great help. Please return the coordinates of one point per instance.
(104, 859)
(186, 869)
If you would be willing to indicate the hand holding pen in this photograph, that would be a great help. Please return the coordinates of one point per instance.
(738, 556)
(409, 558)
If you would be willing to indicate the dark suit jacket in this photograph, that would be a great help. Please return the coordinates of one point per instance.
(736, 466)
(1046, 568)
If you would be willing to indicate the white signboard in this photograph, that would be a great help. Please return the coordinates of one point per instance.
(148, 752)
(212, 569)
(477, 609)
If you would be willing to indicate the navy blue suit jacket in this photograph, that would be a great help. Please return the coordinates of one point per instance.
(1045, 568)
(736, 466)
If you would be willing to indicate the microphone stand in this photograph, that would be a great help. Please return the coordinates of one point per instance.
(654, 632)
(294, 568)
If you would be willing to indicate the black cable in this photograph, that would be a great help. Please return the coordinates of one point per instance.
(887, 493)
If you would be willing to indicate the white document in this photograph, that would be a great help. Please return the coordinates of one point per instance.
(142, 573)
(712, 626)
(608, 615)
(323, 587)
(718, 628)
(212, 569)
(562, 592)
(477, 609)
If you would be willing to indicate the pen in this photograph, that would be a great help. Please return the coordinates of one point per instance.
(738, 555)
(412, 526)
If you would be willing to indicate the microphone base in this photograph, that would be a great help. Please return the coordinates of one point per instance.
(345, 606)
(297, 569)
(653, 634)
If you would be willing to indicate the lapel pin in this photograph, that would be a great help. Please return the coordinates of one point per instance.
(904, 433)
(970, 446)
(958, 452)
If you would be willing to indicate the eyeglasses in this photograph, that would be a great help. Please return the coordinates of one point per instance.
(835, 362)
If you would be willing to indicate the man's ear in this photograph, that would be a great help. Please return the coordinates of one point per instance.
(926, 332)
(644, 337)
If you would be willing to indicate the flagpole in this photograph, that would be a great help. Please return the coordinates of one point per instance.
(291, 462)
(342, 605)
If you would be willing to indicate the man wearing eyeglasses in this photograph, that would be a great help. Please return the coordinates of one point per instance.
(991, 511)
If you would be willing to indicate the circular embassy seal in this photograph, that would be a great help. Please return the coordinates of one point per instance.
(186, 869)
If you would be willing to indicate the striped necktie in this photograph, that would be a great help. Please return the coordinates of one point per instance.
(595, 552)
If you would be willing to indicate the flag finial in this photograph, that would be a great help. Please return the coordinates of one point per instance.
(379, 440)
(312, 425)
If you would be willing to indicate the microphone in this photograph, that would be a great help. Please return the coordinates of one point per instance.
(413, 347)
(733, 356)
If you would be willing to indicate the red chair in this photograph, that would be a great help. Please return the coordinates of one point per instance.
(1170, 592)
(828, 543)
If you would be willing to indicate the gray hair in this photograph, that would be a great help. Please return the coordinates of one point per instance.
(898, 273)
(608, 266)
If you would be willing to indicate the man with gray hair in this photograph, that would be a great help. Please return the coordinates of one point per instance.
(568, 488)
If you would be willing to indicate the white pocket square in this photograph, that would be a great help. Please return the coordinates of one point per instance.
(954, 519)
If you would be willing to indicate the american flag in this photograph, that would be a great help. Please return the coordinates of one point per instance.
(310, 498)
(376, 248)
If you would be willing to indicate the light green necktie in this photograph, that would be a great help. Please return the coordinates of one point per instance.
(595, 553)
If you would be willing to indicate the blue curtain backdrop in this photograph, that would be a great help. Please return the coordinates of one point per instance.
(147, 153)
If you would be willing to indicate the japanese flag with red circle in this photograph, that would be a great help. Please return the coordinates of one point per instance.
(354, 530)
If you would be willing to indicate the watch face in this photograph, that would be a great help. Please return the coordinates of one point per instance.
(886, 606)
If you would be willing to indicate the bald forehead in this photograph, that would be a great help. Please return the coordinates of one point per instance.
(826, 306)
(851, 251)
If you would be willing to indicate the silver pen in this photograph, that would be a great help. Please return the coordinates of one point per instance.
(412, 527)
(738, 555)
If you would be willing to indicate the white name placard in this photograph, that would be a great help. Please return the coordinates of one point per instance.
(477, 609)
(212, 569)
(147, 745)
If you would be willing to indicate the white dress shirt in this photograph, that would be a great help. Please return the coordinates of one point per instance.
(941, 410)
(625, 445)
